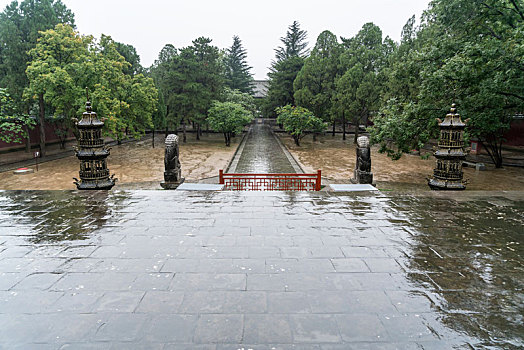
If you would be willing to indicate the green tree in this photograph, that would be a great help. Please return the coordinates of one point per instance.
(192, 79)
(289, 60)
(298, 121)
(280, 90)
(160, 71)
(470, 52)
(54, 72)
(13, 127)
(394, 126)
(128, 102)
(20, 24)
(237, 70)
(359, 89)
(294, 44)
(209, 80)
(64, 63)
(228, 118)
(244, 99)
(131, 56)
(314, 85)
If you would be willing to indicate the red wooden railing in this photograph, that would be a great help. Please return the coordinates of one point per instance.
(270, 182)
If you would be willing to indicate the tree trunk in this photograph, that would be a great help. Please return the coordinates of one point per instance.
(343, 126)
(184, 137)
(333, 135)
(167, 130)
(153, 137)
(27, 140)
(314, 136)
(357, 129)
(297, 140)
(198, 131)
(41, 120)
(494, 152)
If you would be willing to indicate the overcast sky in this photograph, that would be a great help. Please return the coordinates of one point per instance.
(149, 25)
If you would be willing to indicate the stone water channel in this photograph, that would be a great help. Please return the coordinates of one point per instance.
(266, 270)
(262, 153)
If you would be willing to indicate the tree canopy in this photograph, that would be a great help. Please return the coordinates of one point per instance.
(294, 44)
(237, 70)
(20, 24)
(64, 63)
(289, 60)
(468, 52)
(13, 127)
(298, 121)
(228, 118)
(359, 85)
(314, 85)
(280, 91)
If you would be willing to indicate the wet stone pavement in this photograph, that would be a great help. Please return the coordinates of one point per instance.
(195, 270)
(262, 152)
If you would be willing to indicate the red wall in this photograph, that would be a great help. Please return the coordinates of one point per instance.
(515, 135)
(50, 136)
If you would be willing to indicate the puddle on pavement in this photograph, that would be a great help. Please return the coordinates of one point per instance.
(469, 257)
(461, 261)
(59, 216)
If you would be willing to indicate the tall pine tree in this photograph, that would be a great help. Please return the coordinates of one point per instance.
(289, 59)
(238, 75)
(314, 85)
(295, 44)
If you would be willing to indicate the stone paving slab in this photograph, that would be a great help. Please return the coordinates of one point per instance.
(229, 270)
(199, 187)
(352, 187)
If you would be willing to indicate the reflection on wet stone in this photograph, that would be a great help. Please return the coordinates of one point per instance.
(262, 153)
(60, 216)
(164, 269)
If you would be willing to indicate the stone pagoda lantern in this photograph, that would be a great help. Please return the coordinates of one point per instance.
(450, 154)
(92, 153)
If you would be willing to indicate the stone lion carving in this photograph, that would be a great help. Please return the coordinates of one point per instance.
(173, 172)
(363, 174)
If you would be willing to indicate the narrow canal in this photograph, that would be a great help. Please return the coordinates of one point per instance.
(262, 152)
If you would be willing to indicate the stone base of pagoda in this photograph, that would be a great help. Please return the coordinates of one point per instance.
(103, 184)
(171, 185)
(443, 185)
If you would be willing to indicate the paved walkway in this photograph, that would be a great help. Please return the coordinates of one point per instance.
(196, 270)
(262, 152)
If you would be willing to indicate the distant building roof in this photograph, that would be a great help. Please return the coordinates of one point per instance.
(260, 88)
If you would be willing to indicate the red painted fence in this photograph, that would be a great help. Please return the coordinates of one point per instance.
(270, 182)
